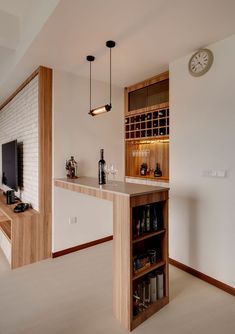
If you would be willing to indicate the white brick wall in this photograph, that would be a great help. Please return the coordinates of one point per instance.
(19, 120)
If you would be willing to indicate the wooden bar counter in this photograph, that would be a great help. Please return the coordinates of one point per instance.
(126, 198)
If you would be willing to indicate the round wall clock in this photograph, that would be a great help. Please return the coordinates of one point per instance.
(200, 62)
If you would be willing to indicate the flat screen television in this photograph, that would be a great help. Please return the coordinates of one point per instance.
(10, 165)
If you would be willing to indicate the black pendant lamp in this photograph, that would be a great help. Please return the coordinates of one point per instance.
(107, 107)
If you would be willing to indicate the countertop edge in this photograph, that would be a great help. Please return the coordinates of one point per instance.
(72, 182)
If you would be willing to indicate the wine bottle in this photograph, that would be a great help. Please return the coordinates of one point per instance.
(101, 165)
(157, 172)
(147, 292)
(155, 219)
(160, 285)
(147, 218)
(153, 285)
(143, 221)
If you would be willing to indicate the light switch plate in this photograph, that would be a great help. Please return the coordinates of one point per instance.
(220, 173)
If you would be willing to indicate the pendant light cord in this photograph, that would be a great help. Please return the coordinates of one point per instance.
(110, 77)
(90, 85)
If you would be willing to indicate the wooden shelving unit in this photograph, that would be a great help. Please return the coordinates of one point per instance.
(21, 240)
(147, 127)
(156, 240)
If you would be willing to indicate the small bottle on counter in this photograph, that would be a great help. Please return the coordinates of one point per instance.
(101, 168)
(157, 172)
(143, 169)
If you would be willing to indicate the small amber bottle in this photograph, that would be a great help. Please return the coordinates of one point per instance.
(157, 172)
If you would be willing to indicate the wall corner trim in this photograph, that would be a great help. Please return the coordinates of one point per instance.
(80, 247)
(227, 288)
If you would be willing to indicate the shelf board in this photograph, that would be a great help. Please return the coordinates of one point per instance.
(148, 139)
(153, 308)
(148, 235)
(148, 270)
(162, 178)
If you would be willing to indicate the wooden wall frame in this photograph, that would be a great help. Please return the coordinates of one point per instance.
(146, 131)
(43, 239)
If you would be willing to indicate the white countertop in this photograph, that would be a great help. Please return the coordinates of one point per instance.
(124, 188)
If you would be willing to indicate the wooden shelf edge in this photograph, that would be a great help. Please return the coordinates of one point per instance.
(5, 227)
(153, 308)
(150, 139)
(157, 179)
(148, 270)
(155, 107)
(148, 235)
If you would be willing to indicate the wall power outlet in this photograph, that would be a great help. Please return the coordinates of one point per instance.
(73, 220)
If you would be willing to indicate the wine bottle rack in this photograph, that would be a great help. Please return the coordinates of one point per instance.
(147, 128)
(147, 125)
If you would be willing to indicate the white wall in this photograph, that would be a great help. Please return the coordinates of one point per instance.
(94, 218)
(202, 216)
(19, 120)
(79, 134)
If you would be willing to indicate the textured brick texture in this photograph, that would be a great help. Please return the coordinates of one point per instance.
(19, 120)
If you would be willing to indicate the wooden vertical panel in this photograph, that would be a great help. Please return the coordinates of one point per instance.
(24, 239)
(166, 247)
(126, 101)
(45, 138)
(31, 231)
(122, 260)
(45, 158)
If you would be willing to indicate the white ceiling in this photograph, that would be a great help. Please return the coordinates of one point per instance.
(20, 23)
(149, 35)
(15, 7)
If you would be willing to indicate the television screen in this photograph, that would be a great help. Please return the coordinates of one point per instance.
(10, 165)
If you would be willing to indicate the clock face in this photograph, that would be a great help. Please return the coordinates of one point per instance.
(200, 62)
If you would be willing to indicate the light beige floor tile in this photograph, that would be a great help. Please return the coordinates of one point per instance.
(73, 295)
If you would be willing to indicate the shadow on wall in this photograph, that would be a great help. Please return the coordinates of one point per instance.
(193, 231)
(184, 228)
(184, 234)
